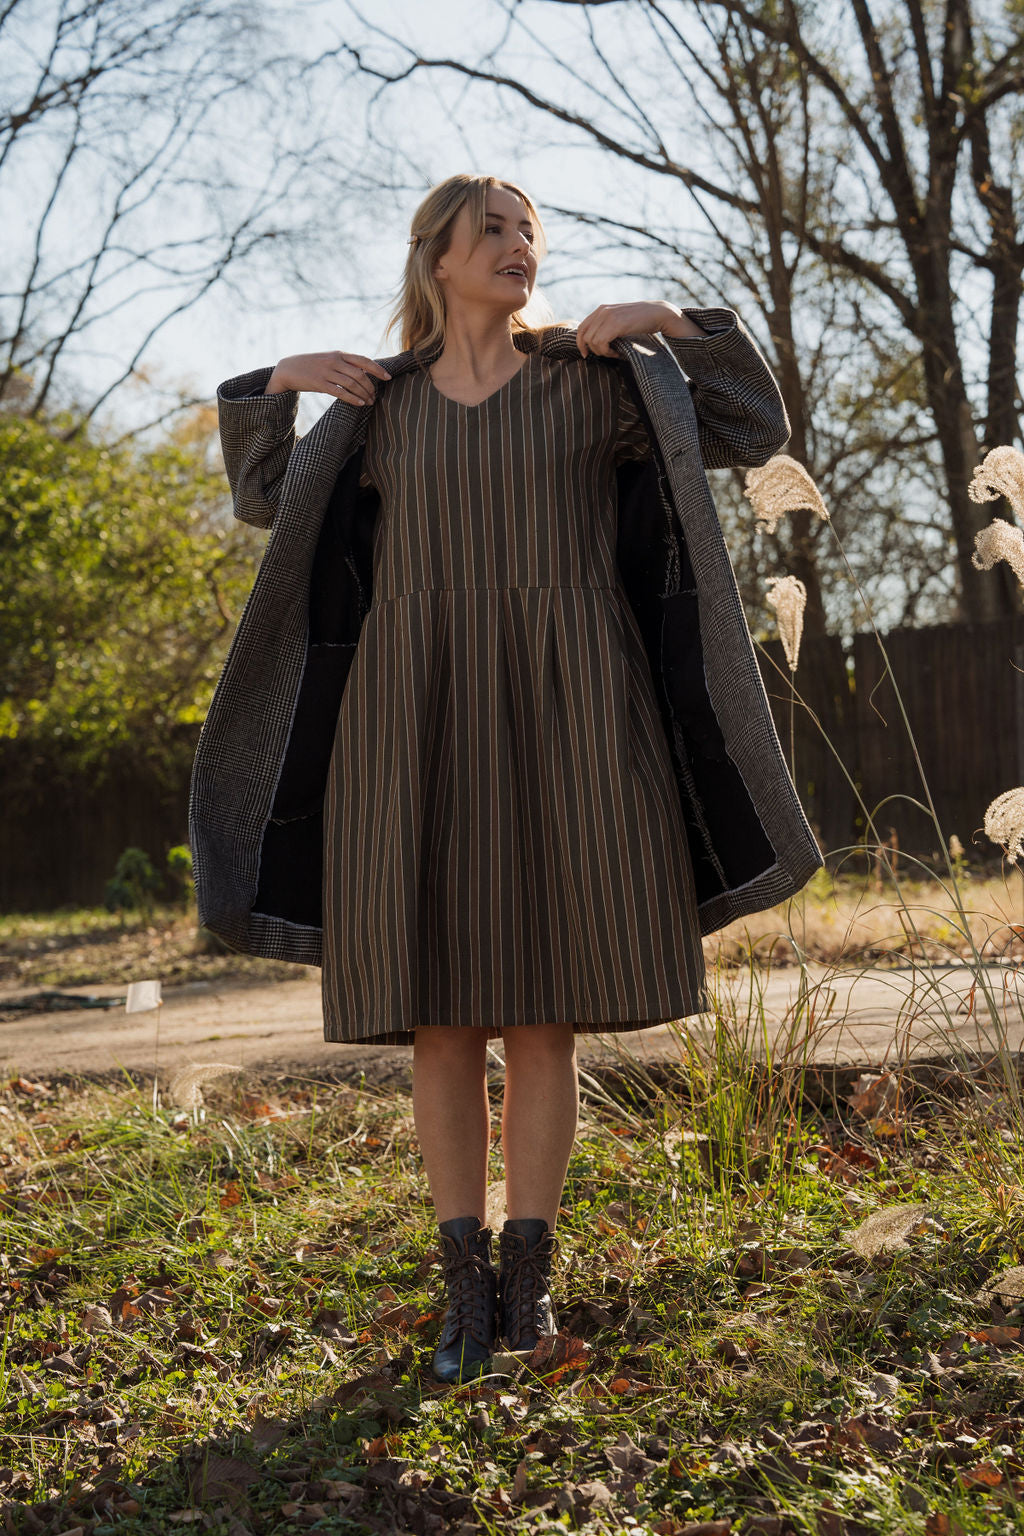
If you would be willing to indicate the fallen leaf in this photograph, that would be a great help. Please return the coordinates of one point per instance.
(382, 1447)
(872, 1093)
(214, 1479)
(64, 1363)
(219, 1258)
(402, 1317)
(46, 1256)
(729, 1351)
(985, 1475)
(999, 1335)
(792, 1258)
(939, 1523)
(861, 1431)
(887, 1230)
(559, 1351)
(122, 1305)
(626, 1456)
(266, 1433)
(97, 1320)
(257, 1109)
(270, 1306)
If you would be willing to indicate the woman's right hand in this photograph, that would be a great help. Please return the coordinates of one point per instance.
(346, 375)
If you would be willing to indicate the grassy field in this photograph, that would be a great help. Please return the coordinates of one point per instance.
(773, 1321)
(841, 920)
(220, 1298)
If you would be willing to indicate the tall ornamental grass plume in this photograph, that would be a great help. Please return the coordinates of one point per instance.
(1000, 473)
(782, 485)
(1004, 822)
(999, 541)
(788, 596)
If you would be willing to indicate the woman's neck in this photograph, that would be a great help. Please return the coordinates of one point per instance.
(476, 350)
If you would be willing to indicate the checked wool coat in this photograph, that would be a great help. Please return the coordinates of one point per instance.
(260, 771)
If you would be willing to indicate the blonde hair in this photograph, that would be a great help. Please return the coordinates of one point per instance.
(420, 310)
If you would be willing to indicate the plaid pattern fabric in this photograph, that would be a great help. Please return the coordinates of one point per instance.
(711, 401)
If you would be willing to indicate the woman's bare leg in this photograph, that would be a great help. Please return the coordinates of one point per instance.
(539, 1117)
(453, 1117)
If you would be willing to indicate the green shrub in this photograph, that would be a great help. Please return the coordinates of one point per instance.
(179, 865)
(134, 884)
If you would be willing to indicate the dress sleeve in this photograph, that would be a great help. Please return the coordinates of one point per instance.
(631, 438)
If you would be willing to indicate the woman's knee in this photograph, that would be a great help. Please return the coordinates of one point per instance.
(457, 1042)
(533, 1040)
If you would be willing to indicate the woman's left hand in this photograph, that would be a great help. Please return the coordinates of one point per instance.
(608, 322)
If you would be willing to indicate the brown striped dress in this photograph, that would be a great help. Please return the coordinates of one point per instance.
(503, 838)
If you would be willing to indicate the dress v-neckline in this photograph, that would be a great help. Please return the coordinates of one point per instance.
(477, 404)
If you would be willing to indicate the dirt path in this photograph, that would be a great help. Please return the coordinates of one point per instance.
(856, 1017)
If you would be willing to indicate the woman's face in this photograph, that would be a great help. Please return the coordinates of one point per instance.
(476, 278)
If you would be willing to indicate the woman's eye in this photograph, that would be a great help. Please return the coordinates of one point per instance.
(497, 230)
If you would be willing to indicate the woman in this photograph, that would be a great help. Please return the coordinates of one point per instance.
(505, 849)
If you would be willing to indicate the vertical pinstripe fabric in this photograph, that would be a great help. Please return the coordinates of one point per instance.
(505, 845)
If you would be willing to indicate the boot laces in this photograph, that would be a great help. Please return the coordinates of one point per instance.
(525, 1279)
(463, 1283)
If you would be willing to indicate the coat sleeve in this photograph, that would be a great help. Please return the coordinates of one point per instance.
(257, 435)
(741, 416)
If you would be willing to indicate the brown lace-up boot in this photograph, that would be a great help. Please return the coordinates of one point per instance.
(469, 1325)
(525, 1309)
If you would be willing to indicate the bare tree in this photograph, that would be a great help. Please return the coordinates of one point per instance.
(929, 100)
(147, 155)
(867, 154)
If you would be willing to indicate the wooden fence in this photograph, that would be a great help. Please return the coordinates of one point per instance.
(843, 733)
(961, 741)
(60, 839)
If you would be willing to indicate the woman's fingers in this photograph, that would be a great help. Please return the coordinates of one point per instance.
(352, 377)
(349, 385)
(356, 384)
(348, 375)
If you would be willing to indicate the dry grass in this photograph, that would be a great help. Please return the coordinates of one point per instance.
(80, 947)
(850, 921)
(847, 920)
